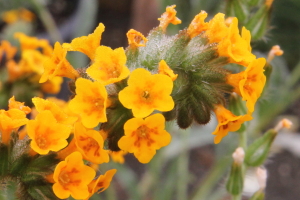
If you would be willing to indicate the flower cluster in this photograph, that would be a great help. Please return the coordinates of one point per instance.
(123, 98)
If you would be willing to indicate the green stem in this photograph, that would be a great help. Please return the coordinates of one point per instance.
(47, 20)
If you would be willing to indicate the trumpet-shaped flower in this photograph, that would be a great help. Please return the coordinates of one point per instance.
(101, 183)
(163, 68)
(90, 144)
(7, 49)
(12, 103)
(57, 112)
(87, 44)
(58, 65)
(197, 25)
(235, 47)
(227, 122)
(109, 65)
(10, 121)
(52, 86)
(249, 83)
(72, 177)
(144, 136)
(168, 17)
(134, 39)
(217, 29)
(146, 93)
(90, 102)
(46, 134)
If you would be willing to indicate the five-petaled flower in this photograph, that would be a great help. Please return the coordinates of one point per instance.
(72, 177)
(101, 183)
(90, 144)
(146, 93)
(46, 134)
(227, 122)
(109, 65)
(86, 44)
(250, 83)
(134, 39)
(198, 25)
(144, 136)
(168, 17)
(58, 65)
(89, 102)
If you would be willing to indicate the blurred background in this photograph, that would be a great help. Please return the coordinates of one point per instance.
(191, 167)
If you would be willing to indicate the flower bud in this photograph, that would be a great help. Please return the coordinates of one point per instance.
(235, 182)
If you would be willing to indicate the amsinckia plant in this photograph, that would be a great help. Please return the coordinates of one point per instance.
(122, 100)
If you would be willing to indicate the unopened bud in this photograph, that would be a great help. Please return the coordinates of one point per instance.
(284, 123)
(261, 175)
(239, 155)
(275, 51)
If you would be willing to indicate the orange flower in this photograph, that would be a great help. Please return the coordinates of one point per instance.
(14, 70)
(89, 102)
(249, 83)
(46, 134)
(197, 25)
(134, 39)
(235, 47)
(86, 44)
(57, 112)
(90, 144)
(12, 16)
(109, 65)
(10, 121)
(32, 61)
(33, 43)
(58, 65)
(144, 136)
(72, 177)
(146, 93)
(52, 86)
(7, 49)
(12, 103)
(117, 156)
(228, 122)
(275, 51)
(101, 183)
(168, 17)
(217, 29)
(163, 68)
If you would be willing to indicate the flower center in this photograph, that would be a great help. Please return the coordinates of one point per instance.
(98, 102)
(64, 178)
(41, 142)
(90, 144)
(146, 94)
(142, 131)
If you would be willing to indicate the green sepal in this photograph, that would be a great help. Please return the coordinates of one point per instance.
(268, 71)
(259, 195)
(235, 181)
(258, 151)
(39, 167)
(42, 191)
(184, 116)
(257, 24)
(4, 160)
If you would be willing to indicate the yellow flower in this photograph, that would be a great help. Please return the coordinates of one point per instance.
(236, 47)
(146, 93)
(197, 25)
(86, 44)
(109, 65)
(101, 183)
(168, 17)
(249, 83)
(72, 177)
(217, 29)
(57, 112)
(52, 86)
(144, 136)
(117, 156)
(33, 43)
(58, 65)
(32, 61)
(46, 134)
(163, 68)
(10, 121)
(90, 144)
(89, 102)
(227, 122)
(7, 49)
(12, 16)
(12, 103)
(134, 39)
